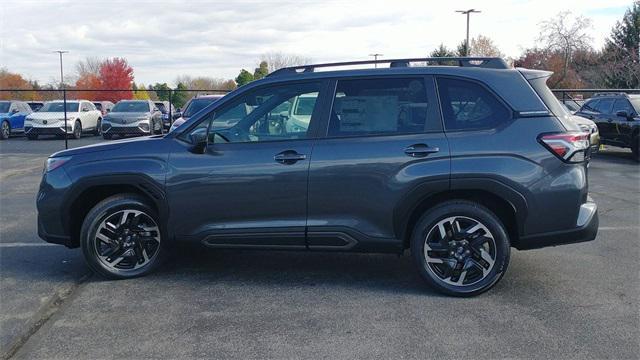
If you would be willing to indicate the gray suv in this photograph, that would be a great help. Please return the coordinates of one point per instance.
(132, 117)
(456, 164)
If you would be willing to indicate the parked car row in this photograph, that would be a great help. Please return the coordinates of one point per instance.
(127, 117)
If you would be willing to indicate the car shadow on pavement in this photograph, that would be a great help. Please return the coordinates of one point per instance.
(294, 269)
(616, 156)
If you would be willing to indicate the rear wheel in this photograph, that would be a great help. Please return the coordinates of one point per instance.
(122, 237)
(77, 130)
(461, 248)
(5, 130)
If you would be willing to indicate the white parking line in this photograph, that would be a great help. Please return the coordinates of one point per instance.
(605, 228)
(17, 244)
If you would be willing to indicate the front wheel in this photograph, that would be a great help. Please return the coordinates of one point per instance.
(98, 130)
(461, 248)
(122, 237)
(77, 130)
(5, 130)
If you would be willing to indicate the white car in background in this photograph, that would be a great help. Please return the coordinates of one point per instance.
(82, 116)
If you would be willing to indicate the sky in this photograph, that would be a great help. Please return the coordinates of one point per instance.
(163, 39)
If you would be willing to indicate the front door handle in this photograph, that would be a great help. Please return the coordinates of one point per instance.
(289, 157)
(420, 150)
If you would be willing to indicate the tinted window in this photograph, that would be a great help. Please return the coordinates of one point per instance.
(98, 106)
(131, 106)
(256, 116)
(467, 105)
(196, 105)
(379, 106)
(4, 106)
(161, 107)
(622, 105)
(604, 106)
(590, 106)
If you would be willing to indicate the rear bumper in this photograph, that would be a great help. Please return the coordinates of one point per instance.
(586, 230)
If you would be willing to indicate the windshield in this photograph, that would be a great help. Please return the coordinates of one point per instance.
(59, 107)
(196, 105)
(4, 106)
(131, 106)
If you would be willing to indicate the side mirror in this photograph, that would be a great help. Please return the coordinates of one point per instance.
(198, 141)
(15, 111)
(176, 115)
(85, 110)
(624, 114)
(284, 114)
(108, 110)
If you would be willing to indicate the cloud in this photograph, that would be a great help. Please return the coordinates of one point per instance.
(163, 39)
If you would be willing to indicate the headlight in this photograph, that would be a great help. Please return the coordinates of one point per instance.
(56, 162)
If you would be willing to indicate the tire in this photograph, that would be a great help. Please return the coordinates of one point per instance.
(157, 131)
(32, 136)
(5, 130)
(635, 148)
(98, 130)
(107, 136)
(77, 130)
(131, 251)
(480, 262)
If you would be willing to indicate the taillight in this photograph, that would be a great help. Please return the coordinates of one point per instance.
(570, 146)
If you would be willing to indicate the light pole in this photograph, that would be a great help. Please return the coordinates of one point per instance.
(375, 57)
(468, 13)
(64, 97)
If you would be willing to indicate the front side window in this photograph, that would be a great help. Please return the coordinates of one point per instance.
(260, 115)
(378, 107)
(590, 106)
(467, 105)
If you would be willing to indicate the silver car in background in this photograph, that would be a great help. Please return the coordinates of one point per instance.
(132, 117)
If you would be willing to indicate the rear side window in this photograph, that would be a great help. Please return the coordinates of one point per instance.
(622, 105)
(377, 107)
(467, 105)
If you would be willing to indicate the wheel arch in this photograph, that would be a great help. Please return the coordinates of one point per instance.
(509, 205)
(90, 192)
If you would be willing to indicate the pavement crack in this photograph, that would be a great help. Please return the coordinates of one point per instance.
(46, 311)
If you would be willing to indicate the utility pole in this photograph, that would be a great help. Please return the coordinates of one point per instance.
(468, 13)
(64, 96)
(375, 57)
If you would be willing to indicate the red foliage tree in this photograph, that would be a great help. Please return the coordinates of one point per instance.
(116, 74)
(86, 83)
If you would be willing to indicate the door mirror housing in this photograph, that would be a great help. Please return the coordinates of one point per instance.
(176, 115)
(15, 111)
(198, 141)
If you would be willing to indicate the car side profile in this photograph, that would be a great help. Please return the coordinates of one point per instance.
(617, 116)
(12, 115)
(132, 117)
(455, 164)
(81, 117)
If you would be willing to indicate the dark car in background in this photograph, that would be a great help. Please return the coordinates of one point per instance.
(103, 106)
(455, 163)
(12, 116)
(132, 117)
(164, 107)
(194, 105)
(617, 116)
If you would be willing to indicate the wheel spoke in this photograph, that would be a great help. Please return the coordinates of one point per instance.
(486, 257)
(463, 275)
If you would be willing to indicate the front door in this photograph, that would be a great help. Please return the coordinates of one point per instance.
(249, 186)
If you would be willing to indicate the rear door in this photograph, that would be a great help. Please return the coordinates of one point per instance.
(384, 147)
(622, 126)
(605, 119)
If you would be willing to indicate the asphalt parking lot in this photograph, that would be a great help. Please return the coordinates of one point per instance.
(570, 302)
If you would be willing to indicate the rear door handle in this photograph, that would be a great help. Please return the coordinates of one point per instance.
(420, 150)
(289, 157)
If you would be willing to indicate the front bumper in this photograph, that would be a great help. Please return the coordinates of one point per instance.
(586, 230)
(49, 130)
(141, 128)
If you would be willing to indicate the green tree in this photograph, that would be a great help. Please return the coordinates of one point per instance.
(621, 63)
(442, 51)
(244, 77)
(140, 92)
(261, 71)
(461, 49)
(180, 95)
(163, 91)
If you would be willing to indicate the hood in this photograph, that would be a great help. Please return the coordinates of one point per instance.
(112, 145)
(127, 115)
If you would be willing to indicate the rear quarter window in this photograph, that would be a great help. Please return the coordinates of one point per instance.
(467, 105)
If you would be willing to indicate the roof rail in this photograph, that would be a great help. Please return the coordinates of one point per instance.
(479, 62)
(611, 93)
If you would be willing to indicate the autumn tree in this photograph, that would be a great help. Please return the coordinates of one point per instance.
(277, 60)
(116, 74)
(565, 34)
(13, 81)
(88, 84)
(140, 92)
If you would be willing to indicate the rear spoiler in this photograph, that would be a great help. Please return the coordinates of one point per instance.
(530, 74)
